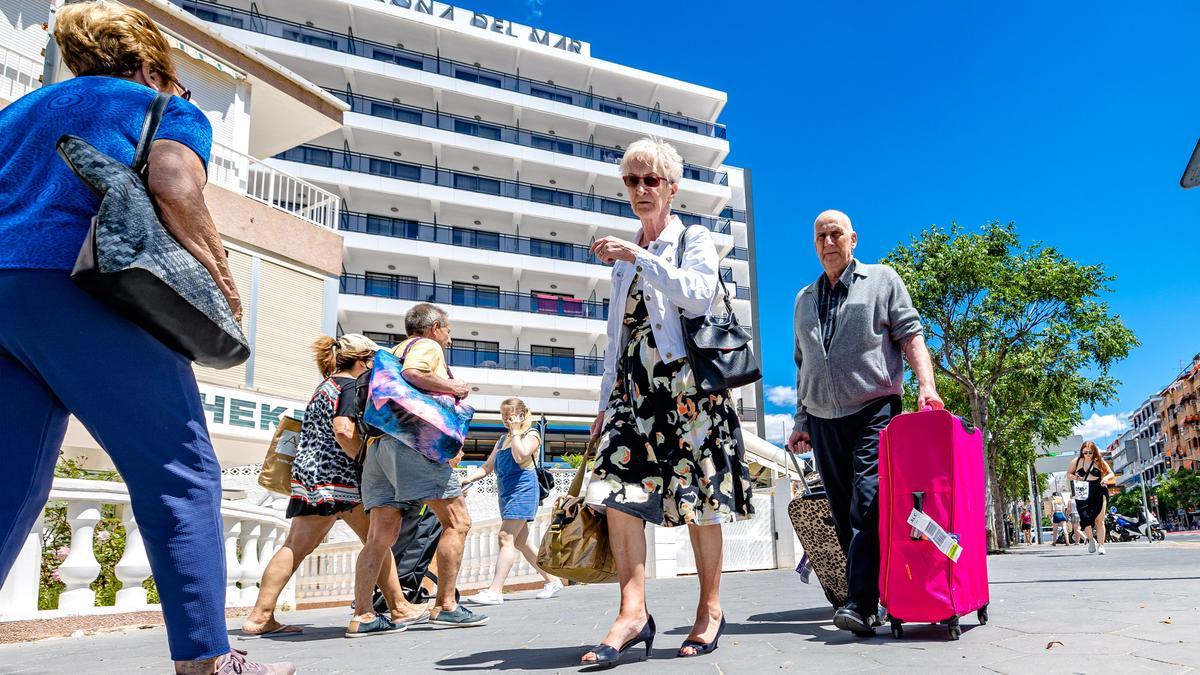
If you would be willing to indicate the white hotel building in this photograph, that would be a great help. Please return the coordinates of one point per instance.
(477, 162)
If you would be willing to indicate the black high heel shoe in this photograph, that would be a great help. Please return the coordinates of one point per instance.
(702, 647)
(607, 657)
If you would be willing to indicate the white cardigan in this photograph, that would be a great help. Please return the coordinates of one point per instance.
(667, 287)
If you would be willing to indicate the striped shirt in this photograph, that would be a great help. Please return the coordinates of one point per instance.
(829, 301)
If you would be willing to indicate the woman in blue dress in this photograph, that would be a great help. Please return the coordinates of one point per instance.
(516, 481)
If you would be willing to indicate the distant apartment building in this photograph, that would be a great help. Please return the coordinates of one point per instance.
(477, 163)
(1180, 417)
(1145, 430)
(280, 231)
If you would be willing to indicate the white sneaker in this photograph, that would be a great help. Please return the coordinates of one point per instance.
(549, 590)
(486, 597)
(1101, 550)
(1092, 546)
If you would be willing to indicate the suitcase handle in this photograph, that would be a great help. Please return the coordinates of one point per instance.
(808, 491)
(918, 501)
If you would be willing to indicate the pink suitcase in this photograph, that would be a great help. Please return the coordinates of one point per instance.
(932, 461)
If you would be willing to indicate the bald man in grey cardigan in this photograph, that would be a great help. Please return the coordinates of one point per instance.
(853, 325)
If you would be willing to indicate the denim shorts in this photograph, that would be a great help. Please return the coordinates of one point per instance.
(394, 475)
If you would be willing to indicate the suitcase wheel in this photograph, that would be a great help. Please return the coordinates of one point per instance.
(982, 615)
(955, 629)
(897, 630)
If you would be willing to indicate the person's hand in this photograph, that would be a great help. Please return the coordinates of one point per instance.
(457, 458)
(597, 425)
(611, 249)
(927, 396)
(799, 442)
(461, 389)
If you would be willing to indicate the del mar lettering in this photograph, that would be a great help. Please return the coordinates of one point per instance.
(492, 24)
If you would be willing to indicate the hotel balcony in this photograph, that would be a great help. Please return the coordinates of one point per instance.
(391, 53)
(398, 288)
(549, 141)
(19, 75)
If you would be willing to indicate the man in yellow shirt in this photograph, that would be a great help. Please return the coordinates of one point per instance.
(395, 476)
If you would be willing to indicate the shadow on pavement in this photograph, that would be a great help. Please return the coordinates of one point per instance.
(537, 658)
(1090, 579)
(310, 634)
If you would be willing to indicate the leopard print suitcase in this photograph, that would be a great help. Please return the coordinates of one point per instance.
(811, 518)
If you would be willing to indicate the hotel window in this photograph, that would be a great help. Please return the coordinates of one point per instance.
(395, 112)
(221, 18)
(547, 302)
(553, 359)
(475, 239)
(683, 126)
(553, 145)
(389, 56)
(393, 227)
(311, 39)
(549, 95)
(476, 129)
(548, 196)
(475, 354)
(385, 339)
(399, 286)
(550, 249)
(618, 110)
(472, 76)
(386, 167)
(464, 181)
(474, 295)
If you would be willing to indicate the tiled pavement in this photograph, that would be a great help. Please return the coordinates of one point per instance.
(1054, 610)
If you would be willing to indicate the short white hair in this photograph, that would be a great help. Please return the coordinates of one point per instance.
(659, 155)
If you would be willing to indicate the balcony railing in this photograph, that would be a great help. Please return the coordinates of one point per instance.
(472, 182)
(19, 74)
(251, 177)
(742, 293)
(434, 119)
(422, 291)
(346, 44)
(734, 214)
(747, 414)
(740, 253)
(525, 361)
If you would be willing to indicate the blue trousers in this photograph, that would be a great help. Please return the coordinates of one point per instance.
(64, 353)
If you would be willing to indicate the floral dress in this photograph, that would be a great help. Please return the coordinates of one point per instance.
(667, 455)
(324, 478)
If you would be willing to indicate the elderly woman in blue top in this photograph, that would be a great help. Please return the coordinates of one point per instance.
(666, 455)
(63, 352)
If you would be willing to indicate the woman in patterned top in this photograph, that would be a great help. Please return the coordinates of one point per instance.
(325, 485)
(666, 455)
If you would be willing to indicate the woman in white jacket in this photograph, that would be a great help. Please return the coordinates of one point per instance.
(666, 456)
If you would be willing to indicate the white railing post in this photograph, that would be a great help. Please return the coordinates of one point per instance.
(787, 547)
(134, 566)
(19, 596)
(278, 189)
(251, 566)
(233, 569)
(661, 552)
(80, 568)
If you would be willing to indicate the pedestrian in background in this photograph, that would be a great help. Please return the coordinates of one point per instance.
(1090, 473)
(853, 326)
(63, 352)
(1026, 525)
(1074, 536)
(1059, 520)
(395, 476)
(519, 494)
(667, 455)
(325, 485)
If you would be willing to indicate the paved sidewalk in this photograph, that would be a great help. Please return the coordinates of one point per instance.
(1054, 610)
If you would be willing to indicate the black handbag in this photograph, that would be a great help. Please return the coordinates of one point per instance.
(718, 348)
(132, 263)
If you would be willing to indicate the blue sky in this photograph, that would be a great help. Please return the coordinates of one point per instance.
(1073, 119)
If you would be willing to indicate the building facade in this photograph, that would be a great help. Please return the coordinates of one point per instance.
(1180, 418)
(477, 163)
(280, 231)
(1145, 429)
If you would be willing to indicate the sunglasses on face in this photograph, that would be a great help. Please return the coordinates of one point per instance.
(650, 181)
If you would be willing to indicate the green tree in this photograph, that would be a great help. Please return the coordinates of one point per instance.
(1180, 490)
(1019, 335)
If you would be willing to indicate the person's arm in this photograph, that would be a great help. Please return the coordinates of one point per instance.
(487, 467)
(345, 431)
(799, 440)
(919, 360)
(435, 384)
(525, 445)
(176, 181)
(1071, 470)
(690, 285)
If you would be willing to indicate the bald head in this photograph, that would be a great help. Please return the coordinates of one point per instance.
(835, 240)
(833, 216)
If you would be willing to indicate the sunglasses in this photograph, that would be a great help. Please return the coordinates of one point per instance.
(650, 181)
(185, 93)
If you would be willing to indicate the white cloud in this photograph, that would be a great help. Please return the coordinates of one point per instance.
(535, 7)
(781, 395)
(1104, 427)
(778, 428)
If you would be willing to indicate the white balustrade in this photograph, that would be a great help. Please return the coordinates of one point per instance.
(134, 566)
(80, 568)
(262, 182)
(19, 74)
(84, 500)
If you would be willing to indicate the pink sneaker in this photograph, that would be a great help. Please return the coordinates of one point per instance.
(235, 663)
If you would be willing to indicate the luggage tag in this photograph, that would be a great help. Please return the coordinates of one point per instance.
(945, 542)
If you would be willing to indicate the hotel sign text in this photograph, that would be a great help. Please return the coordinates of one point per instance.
(492, 24)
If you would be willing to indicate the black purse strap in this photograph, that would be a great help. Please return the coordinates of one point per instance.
(679, 264)
(154, 116)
